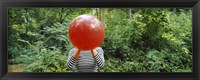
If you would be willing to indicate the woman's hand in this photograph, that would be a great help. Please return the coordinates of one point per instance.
(94, 52)
(76, 53)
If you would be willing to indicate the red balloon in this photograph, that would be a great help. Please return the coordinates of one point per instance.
(86, 32)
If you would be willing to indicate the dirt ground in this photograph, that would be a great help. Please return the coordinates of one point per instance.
(15, 68)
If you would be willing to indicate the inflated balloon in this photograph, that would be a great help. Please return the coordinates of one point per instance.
(86, 32)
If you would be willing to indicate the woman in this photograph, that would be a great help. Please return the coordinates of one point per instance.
(86, 61)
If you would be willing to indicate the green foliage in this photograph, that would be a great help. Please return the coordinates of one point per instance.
(48, 61)
(152, 40)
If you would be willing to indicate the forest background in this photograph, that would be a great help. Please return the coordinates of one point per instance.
(136, 39)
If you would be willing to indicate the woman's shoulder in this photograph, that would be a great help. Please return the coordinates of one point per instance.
(71, 51)
(99, 49)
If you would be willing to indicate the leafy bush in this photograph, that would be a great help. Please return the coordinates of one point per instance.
(48, 61)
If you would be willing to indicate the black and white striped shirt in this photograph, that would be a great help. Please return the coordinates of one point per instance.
(86, 62)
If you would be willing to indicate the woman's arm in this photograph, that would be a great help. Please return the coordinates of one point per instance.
(98, 55)
(76, 54)
(72, 57)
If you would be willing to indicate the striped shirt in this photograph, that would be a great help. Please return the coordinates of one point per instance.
(86, 62)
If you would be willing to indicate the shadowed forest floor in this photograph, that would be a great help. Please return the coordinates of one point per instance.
(15, 68)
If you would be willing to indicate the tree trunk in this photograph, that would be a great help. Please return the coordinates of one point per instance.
(94, 11)
(27, 21)
(174, 9)
(98, 13)
(103, 15)
(61, 16)
(130, 13)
